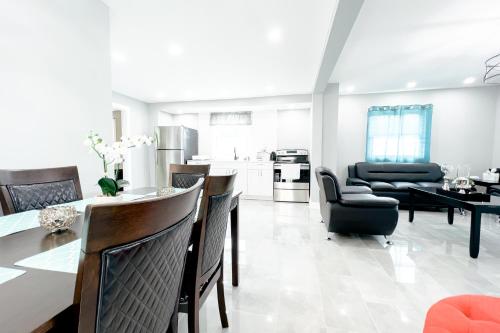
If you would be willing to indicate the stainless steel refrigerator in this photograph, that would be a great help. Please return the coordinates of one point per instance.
(175, 145)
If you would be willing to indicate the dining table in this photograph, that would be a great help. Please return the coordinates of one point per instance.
(41, 300)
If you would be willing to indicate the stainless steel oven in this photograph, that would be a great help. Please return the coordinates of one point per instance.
(292, 175)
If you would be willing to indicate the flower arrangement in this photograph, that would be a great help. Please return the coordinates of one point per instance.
(111, 155)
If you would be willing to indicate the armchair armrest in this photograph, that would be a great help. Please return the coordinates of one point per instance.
(357, 181)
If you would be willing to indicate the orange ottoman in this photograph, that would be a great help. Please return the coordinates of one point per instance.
(464, 314)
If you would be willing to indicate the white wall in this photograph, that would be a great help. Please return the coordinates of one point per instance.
(248, 139)
(165, 119)
(316, 153)
(330, 126)
(135, 122)
(264, 133)
(463, 124)
(55, 84)
(293, 130)
(187, 119)
(495, 162)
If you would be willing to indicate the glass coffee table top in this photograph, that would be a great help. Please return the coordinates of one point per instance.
(494, 200)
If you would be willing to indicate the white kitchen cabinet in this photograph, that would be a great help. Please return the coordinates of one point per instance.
(254, 179)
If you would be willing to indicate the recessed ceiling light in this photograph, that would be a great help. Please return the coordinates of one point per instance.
(160, 96)
(470, 80)
(270, 88)
(118, 57)
(411, 84)
(349, 89)
(274, 35)
(175, 50)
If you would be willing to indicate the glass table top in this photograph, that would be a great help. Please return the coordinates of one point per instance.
(494, 200)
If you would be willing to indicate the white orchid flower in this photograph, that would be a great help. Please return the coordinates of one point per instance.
(96, 139)
(100, 148)
(126, 141)
(114, 153)
(137, 140)
(118, 145)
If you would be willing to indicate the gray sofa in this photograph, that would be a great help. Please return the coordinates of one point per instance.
(394, 179)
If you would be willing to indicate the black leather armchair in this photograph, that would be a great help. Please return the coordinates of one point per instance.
(361, 213)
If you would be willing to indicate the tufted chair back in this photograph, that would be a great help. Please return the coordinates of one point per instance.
(185, 176)
(205, 261)
(22, 190)
(132, 262)
(214, 214)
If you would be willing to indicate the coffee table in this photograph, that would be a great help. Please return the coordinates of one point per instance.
(476, 209)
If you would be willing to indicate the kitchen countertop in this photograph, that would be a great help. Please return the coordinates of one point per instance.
(233, 161)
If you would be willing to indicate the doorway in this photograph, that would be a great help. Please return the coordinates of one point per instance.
(117, 136)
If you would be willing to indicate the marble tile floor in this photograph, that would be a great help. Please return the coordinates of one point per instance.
(294, 280)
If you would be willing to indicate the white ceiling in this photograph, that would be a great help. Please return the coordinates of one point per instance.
(172, 50)
(436, 44)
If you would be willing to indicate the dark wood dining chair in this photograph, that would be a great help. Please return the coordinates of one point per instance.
(204, 267)
(185, 175)
(22, 190)
(131, 263)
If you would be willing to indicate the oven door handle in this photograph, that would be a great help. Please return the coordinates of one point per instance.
(303, 166)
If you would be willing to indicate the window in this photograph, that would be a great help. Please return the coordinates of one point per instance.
(231, 118)
(399, 133)
(231, 134)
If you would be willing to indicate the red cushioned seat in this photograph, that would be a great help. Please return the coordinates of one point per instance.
(464, 314)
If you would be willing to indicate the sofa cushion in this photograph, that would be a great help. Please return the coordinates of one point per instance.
(403, 186)
(355, 190)
(382, 186)
(389, 172)
(356, 182)
(367, 200)
(430, 184)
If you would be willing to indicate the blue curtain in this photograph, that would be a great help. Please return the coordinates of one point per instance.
(399, 133)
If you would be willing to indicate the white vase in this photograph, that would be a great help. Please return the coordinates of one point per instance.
(102, 199)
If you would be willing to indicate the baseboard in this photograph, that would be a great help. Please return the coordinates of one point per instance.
(256, 197)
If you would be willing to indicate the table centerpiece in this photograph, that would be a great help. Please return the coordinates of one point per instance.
(112, 154)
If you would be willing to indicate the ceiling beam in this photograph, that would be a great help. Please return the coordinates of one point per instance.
(343, 21)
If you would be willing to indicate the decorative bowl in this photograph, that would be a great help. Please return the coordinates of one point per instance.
(165, 191)
(59, 218)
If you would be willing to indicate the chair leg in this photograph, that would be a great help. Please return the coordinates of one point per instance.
(194, 311)
(328, 236)
(222, 302)
(388, 240)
